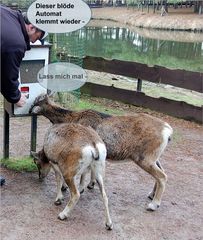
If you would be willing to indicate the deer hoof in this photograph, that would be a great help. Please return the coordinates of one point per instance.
(109, 226)
(58, 202)
(82, 191)
(152, 207)
(63, 188)
(91, 185)
(62, 216)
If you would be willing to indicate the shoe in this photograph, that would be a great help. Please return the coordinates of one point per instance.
(2, 181)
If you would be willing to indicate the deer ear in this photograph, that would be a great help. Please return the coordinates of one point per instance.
(50, 93)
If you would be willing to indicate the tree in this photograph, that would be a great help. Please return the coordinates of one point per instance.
(198, 7)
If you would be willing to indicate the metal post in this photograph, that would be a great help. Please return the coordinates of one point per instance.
(139, 85)
(6, 135)
(33, 133)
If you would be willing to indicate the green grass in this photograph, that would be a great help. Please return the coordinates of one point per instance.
(174, 94)
(22, 164)
(87, 104)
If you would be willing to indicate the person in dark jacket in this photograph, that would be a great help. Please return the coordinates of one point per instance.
(16, 34)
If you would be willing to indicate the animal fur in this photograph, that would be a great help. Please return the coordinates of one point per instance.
(71, 149)
(141, 138)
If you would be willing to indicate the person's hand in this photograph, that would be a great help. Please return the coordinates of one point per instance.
(22, 100)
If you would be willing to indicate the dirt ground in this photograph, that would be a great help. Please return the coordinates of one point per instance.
(27, 205)
(179, 19)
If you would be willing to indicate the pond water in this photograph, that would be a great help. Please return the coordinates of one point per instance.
(125, 44)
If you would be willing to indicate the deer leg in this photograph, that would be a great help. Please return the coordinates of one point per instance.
(98, 171)
(109, 225)
(92, 181)
(64, 186)
(152, 193)
(161, 179)
(74, 197)
(59, 181)
(82, 181)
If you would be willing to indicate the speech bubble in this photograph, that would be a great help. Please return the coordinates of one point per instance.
(59, 16)
(61, 77)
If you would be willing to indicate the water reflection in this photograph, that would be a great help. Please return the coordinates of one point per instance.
(125, 44)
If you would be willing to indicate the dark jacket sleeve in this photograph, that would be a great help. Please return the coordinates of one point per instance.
(10, 64)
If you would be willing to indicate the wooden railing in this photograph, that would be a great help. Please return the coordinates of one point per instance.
(178, 78)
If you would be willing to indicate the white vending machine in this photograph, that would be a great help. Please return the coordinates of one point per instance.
(34, 60)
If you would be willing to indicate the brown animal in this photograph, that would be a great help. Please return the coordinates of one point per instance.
(56, 114)
(71, 149)
(141, 138)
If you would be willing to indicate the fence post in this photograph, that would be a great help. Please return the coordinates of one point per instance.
(139, 85)
(33, 133)
(6, 135)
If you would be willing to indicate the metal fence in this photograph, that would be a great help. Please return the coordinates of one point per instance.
(67, 47)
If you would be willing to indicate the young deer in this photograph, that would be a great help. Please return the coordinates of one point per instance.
(56, 114)
(71, 149)
(141, 138)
